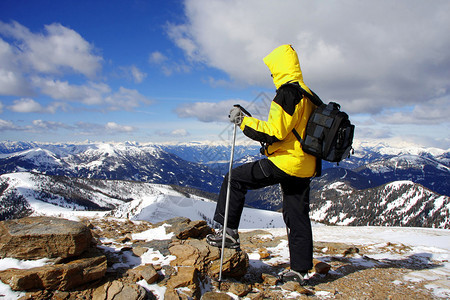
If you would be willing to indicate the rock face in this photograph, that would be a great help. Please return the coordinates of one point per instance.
(184, 228)
(41, 237)
(60, 277)
(206, 258)
(120, 290)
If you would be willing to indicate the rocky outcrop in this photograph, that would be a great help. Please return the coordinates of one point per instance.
(77, 262)
(184, 228)
(205, 258)
(43, 237)
(116, 266)
(187, 278)
(118, 290)
(61, 277)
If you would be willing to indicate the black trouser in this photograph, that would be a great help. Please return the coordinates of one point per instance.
(295, 191)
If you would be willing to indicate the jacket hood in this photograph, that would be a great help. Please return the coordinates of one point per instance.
(284, 65)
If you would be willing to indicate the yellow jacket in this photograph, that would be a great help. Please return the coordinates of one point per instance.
(288, 110)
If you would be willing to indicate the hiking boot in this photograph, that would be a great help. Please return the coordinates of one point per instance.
(231, 238)
(291, 275)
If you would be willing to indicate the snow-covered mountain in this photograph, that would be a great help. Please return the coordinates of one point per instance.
(23, 194)
(400, 203)
(125, 161)
(372, 169)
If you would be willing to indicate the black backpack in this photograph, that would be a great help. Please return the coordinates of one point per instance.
(329, 133)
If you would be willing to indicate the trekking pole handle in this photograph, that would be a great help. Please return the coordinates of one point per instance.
(243, 110)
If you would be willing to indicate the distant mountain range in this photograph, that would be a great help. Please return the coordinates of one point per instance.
(369, 177)
(126, 161)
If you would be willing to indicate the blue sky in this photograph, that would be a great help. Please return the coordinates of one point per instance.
(168, 71)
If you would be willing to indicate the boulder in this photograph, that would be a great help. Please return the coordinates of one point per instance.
(206, 258)
(239, 289)
(61, 277)
(269, 279)
(146, 272)
(194, 253)
(321, 267)
(184, 228)
(118, 290)
(235, 264)
(40, 237)
(186, 277)
(294, 286)
(215, 296)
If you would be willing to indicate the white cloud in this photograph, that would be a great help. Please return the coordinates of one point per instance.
(126, 99)
(157, 58)
(80, 128)
(168, 67)
(12, 82)
(208, 111)
(435, 111)
(110, 128)
(25, 105)
(43, 126)
(369, 56)
(180, 132)
(137, 74)
(56, 49)
(28, 105)
(176, 133)
(133, 73)
(92, 93)
(114, 127)
(7, 125)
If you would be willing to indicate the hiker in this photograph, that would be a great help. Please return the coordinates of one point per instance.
(286, 164)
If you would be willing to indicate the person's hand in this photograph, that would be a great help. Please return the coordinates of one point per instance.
(236, 116)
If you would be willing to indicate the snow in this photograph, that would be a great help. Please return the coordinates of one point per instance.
(158, 233)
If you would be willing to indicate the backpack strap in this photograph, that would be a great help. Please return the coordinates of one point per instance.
(318, 102)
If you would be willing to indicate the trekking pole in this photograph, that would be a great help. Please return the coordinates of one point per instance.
(225, 221)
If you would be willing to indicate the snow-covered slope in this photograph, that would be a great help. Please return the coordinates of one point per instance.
(68, 197)
(400, 203)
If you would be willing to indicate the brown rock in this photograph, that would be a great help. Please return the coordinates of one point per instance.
(235, 264)
(149, 273)
(294, 286)
(171, 294)
(146, 272)
(263, 253)
(350, 251)
(184, 228)
(215, 296)
(56, 277)
(199, 254)
(269, 279)
(139, 251)
(186, 276)
(321, 267)
(239, 289)
(194, 253)
(39, 237)
(117, 290)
